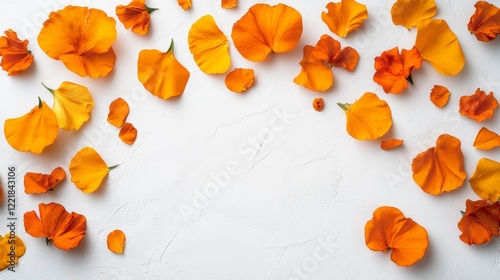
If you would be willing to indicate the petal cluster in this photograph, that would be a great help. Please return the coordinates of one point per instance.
(15, 54)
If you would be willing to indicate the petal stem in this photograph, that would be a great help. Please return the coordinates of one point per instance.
(345, 106)
(49, 89)
(410, 79)
(171, 48)
(112, 167)
(40, 104)
(150, 10)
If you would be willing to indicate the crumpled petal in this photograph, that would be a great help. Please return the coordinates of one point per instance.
(486, 178)
(409, 13)
(266, 29)
(128, 133)
(344, 17)
(478, 106)
(33, 131)
(314, 75)
(161, 74)
(42, 183)
(209, 46)
(437, 44)
(440, 95)
(479, 222)
(441, 168)
(118, 112)
(136, 15)
(318, 104)
(329, 51)
(486, 139)
(368, 118)
(15, 54)
(88, 169)
(390, 229)
(116, 241)
(485, 22)
(239, 79)
(390, 144)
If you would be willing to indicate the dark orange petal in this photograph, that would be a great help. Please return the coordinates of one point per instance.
(479, 222)
(128, 133)
(328, 50)
(478, 106)
(71, 233)
(239, 79)
(346, 58)
(315, 75)
(118, 112)
(41, 183)
(318, 104)
(116, 241)
(229, 4)
(485, 22)
(266, 29)
(135, 15)
(486, 139)
(440, 95)
(393, 70)
(344, 17)
(409, 13)
(15, 54)
(441, 168)
(185, 4)
(390, 144)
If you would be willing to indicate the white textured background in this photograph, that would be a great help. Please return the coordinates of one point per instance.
(301, 189)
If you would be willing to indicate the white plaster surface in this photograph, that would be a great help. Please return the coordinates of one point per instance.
(295, 190)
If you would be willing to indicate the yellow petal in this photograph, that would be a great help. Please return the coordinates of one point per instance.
(118, 112)
(7, 243)
(88, 169)
(209, 46)
(486, 139)
(439, 45)
(72, 105)
(486, 178)
(344, 17)
(33, 131)
(409, 13)
(116, 241)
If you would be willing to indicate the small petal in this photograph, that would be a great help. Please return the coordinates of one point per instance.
(15, 54)
(318, 104)
(485, 179)
(185, 4)
(486, 139)
(239, 79)
(128, 133)
(87, 170)
(390, 144)
(229, 4)
(116, 241)
(478, 106)
(41, 183)
(118, 112)
(440, 95)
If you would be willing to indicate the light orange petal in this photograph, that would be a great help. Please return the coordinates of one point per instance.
(441, 168)
(15, 54)
(485, 22)
(478, 106)
(185, 4)
(314, 75)
(161, 74)
(486, 139)
(118, 112)
(440, 95)
(33, 131)
(368, 118)
(116, 241)
(209, 46)
(344, 17)
(439, 45)
(485, 179)
(239, 79)
(41, 183)
(94, 65)
(266, 29)
(87, 170)
(409, 13)
(9, 244)
(229, 4)
(318, 104)
(128, 133)
(390, 144)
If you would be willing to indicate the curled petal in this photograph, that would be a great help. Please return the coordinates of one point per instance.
(15, 54)
(128, 133)
(409, 13)
(441, 168)
(318, 104)
(439, 45)
(393, 70)
(239, 79)
(135, 15)
(479, 222)
(344, 17)
(41, 183)
(314, 75)
(486, 139)
(390, 144)
(485, 22)
(118, 112)
(440, 95)
(485, 179)
(478, 106)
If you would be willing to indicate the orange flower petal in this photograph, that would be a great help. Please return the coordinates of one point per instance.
(56, 224)
(314, 75)
(266, 29)
(368, 118)
(486, 139)
(6, 257)
(328, 50)
(128, 133)
(393, 70)
(15, 54)
(229, 4)
(41, 183)
(390, 229)
(390, 144)
(88, 169)
(440, 95)
(72, 105)
(478, 106)
(116, 241)
(33, 131)
(485, 22)
(118, 112)
(485, 179)
(81, 38)
(185, 4)
(239, 79)
(344, 17)
(441, 168)
(136, 15)
(479, 222)
(409, 13)
(318, 104)
(209, 46)
(161, 74)
(439, 45)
